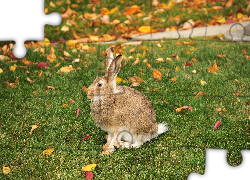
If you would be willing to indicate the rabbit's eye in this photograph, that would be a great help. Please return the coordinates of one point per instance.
(99, 84)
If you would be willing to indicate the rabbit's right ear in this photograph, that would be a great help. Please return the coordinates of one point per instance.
(109, 58)
(114, 68)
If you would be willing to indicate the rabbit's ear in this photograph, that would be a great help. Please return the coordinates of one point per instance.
(114, 68)
(109, 58)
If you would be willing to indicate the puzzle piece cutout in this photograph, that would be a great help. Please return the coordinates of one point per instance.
(58, 122)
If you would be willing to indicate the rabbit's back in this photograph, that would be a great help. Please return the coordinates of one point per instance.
(128, 109)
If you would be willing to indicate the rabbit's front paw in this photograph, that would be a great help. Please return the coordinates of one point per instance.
(106, 146)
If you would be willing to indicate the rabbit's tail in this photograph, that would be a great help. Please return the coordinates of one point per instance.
(162, 127)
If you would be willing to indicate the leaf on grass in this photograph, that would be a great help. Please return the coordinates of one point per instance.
(66, 69)
(50, 87)
(173, 79)
(13, 68)
(203, 83)
(221, 56)
(42, 64)
(200, 94)
(132, 50)
(188, 108)
(31, 81)
(65, 53)
(11, 85)
(118, 79)
(6, 170)
(213, 68)
(178, 43)
(148, 65)
(89, 175)
(65, 28)
(178, 110)
(176, 69)
(1, 70)
(65, 105)
(188, 43)
(132, 43)
(248, 57)
(57, 65)
(135, 81)
(89, 167)
(48, 151)
(77, 112)
(159, 60)
(71, 101)
(26, 62)
(194, 71)
(33, 127)
(85, 138)
(157, 75)
(136, 61)
(217, 125)
(188, 25)
(244, 51)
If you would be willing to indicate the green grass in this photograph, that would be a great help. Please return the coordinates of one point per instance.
(161, 158)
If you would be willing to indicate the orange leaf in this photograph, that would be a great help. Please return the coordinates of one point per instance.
(132, 50)
(213, 68)
(33, 127)
(135, 81)
(173, 79)
(148, 65)
(157, 74)
(176, 69)
(178, 43)
(200, 94)
(136, 61)
(244, 51)
(221, 56)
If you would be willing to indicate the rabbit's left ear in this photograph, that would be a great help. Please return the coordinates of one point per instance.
(109, 58)
(114, 67)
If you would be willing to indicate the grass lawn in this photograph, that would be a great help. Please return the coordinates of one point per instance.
(172, 155)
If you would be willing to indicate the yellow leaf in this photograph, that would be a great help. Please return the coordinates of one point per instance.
(65, 105)
(173, 79)
(46, 10)
(194, 71)
(58, 64)
(157, 74)
(13, 68)
(159, 60)
(113, 10)
(89, 167)
(46, 41)
(104, 11)
(146, 29)
(240, 15)
(74, 5)
(203, 83)
(93, 38)
(65, 28)
(168, 137)
(6, 170)
(48, 151)
(66, 69)
(221, 20)
(1, 70)
(33, 127)
(178, 110)
(118, 79)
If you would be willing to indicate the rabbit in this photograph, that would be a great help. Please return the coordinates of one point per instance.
(123, 112)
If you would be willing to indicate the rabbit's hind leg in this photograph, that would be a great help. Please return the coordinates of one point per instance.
(110, 136)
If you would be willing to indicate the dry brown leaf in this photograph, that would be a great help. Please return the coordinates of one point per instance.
(157, 74)
(136, 61)
(11, 85)
(33, 127)
(200, 94)
(132, 50)
(135, 81)
(31, 81)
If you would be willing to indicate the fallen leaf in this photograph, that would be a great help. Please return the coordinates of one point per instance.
(244, 51)
(248, 57)
(132, 50)
(85, 138)
(157, 75)
(217, 125)
(42, 64)
(11, 85)
(136, 61)
(57, 65)
(178, 43)
(33, 127)
(213, 68)
(188, 25)
(176, 69)
(221, 56)
(203, 83)
(194, 71)
(65, 28)
(89, 175)
(148, 65)
(71, 101)
(1, 70)
(188, 108)
(65, 53)
(13, 68)
(89, 167)
(188, 43)
(77, 112)
(146, 29)
(159, 60)
(218, 109)
(51, 4)
(50, 87)
(66, 69)
(173, 79)
(118, 79)
(188, 64)
(200, 94)
(31, 81)
(6, 170)
(178, 110)
(132, 10)
(48, 151)
(65, 105)
(135, 81)
(132, 43)
(229, 3)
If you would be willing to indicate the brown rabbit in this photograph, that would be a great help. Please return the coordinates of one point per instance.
(125, 113)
